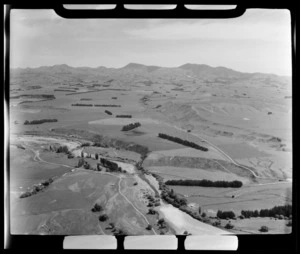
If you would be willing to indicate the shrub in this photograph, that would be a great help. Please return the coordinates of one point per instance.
(229, 226)
(112, 225)
(97, 208)
(217, 223)
(203, 215)
(264, 229)
(161, 223)
(103, 217)
(86, 166)
(151, 211)
(149, 227)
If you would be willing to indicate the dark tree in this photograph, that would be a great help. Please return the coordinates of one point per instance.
(103, 217)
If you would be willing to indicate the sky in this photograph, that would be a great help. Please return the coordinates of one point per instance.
(258, 41)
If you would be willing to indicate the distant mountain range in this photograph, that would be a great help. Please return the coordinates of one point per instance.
(199, 71)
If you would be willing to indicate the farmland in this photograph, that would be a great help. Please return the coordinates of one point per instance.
(164, 101)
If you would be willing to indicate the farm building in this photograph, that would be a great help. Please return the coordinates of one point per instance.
(77, 152)
(92, 152)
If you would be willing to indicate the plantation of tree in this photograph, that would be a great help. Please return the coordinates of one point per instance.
(182, 142)
(131, 126)
(124, 116)
(106, 105)
(285, 211)
(40, 121)
(205, 183)
(108, 112)
(83, 105)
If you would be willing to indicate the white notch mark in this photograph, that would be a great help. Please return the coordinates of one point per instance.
(150, 6)
(209, 7)
(89, 6)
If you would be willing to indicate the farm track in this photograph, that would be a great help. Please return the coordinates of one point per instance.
(38, 159)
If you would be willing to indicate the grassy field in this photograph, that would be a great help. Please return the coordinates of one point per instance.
(245, 198)
(24, 171)
(74, 195)
(169, 172)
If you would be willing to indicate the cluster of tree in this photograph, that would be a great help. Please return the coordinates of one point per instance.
(172, 198)
(100, 141)
(37, 188)
(285, 211)
(82, 104)
(97, 208)
(103, 217)
(152, 201)
(124, 116)
(205, 183)
(83, 163)
(107, 105)
(111, 166)
(108, 112)
(40, 121)
(62, 149)
(229, 226)
(161, 223)
(114, 98)
(225, 215)
(151, 211)
(263, 229)
(182, 142)
(130, 126)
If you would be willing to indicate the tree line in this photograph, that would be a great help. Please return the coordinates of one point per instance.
(37, 188)
(108, 112)
(205, 183)
(106, 105)
(40, 121)
(82, 104)
(285, 211)
(130, 126)
(182, 142)
(124, 116)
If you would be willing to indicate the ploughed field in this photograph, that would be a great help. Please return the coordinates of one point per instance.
(247, 136)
